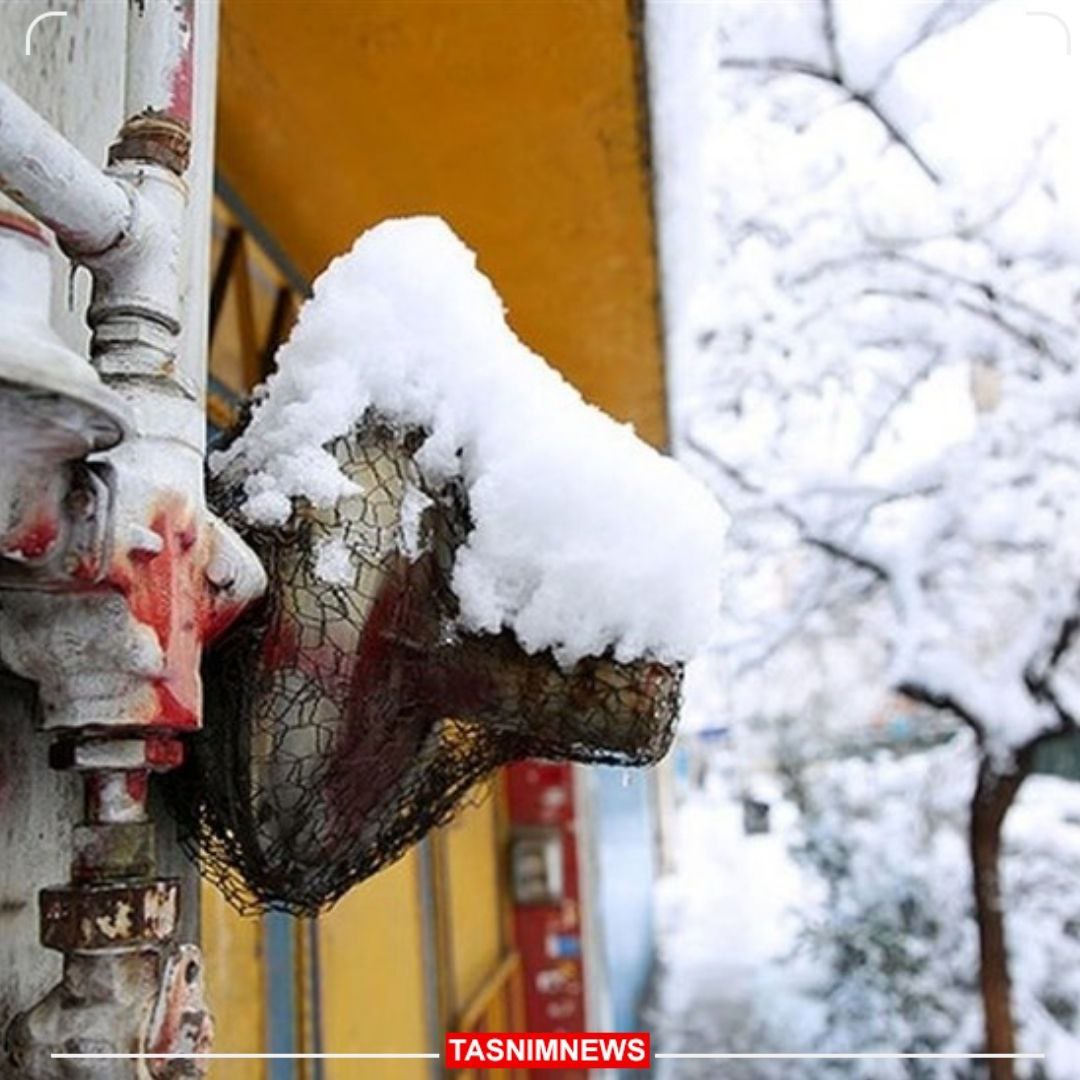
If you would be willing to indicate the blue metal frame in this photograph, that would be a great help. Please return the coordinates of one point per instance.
(282, 1036)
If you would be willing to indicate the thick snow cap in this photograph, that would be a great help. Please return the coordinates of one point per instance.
(585, 538)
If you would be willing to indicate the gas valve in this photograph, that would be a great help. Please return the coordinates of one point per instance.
(112, 576)
(113, 573)
(148, 1007)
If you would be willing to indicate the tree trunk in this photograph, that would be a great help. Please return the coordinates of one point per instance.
(994, 794)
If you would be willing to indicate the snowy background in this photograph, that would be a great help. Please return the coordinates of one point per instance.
(870, 237)
(847, 926)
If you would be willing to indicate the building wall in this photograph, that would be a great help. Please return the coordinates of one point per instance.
(521, 123)
(373, 973)
(74, 78)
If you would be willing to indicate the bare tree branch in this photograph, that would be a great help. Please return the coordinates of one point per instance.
(835, 75)
(946, 16)
(828, 31)
(830, 545)
(936, 699)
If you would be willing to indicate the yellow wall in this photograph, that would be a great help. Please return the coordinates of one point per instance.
(520, 122)
(232, 953)
(372, 975)
(472, 900)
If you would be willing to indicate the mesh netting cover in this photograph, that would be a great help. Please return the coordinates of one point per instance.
(343, 721)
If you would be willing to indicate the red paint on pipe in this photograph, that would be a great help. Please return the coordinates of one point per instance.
(165, 591)
(180, 82)
(24, 225)
(34, 539)
(219, 616)
(164, 753)
(137, 785)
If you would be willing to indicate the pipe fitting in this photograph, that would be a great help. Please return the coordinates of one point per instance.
(116, 649)
(134, 311)
(148, 1004)
(55, 507)
(155, 138)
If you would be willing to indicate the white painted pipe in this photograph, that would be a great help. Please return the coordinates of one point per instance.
(89, 211)
(125, 227)
(160, 40)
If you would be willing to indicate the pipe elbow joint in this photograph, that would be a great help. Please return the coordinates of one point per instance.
(135, 308)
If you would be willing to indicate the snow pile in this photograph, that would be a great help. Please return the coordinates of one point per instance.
(584, 537)
(333, 563)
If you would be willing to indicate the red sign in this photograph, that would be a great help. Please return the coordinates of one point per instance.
(541, 795)
(540, 1050)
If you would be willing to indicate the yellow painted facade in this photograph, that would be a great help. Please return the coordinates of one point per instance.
(472, 897)
(521, 123)
(233, 953)
(374, 932)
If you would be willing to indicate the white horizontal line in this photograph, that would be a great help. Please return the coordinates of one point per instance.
(249, 1057)
(877, 1056)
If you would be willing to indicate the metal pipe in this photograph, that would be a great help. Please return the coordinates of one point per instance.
(160, 47)
(159, 89)
(116, 796)
(89, 211)
(116, 652)
(117, 660)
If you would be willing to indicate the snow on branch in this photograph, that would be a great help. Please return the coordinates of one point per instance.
(883, 384)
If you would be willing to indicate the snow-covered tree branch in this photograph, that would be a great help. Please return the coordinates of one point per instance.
(887, 394)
